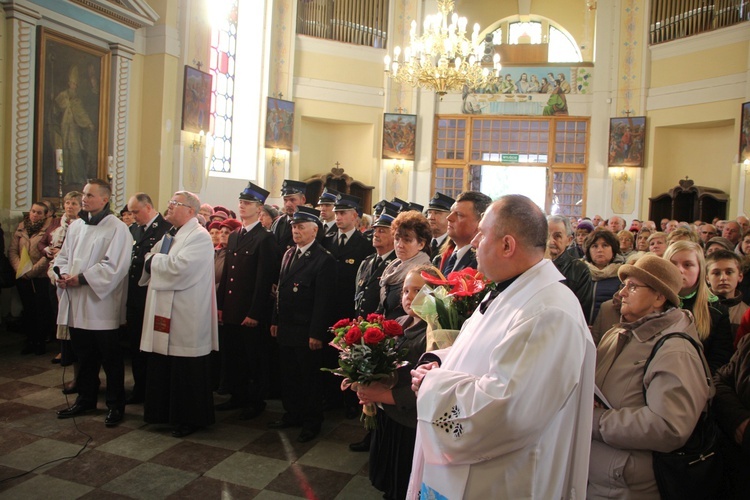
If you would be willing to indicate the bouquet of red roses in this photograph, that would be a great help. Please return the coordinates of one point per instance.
(367, 353)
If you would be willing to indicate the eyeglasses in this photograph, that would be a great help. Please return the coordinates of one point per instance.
(173, 203)
(632, 287)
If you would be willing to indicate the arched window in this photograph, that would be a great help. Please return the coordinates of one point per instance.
(222, 67)
(562, 48)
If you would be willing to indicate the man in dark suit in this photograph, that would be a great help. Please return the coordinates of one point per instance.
(367, 293)
(437, 215)
(463, 224)
(293, 193)
(327, 216)
(244, 301)
(304, 303)
(148, 229)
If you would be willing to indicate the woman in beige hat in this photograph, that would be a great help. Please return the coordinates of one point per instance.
(627, 427)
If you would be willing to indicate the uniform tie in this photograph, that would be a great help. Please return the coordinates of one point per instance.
(342, 240)
(451, 263)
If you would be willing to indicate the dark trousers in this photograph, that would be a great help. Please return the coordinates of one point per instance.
(301, 386)
(37, 310)
(244, 354)
(138, 358)
(178, 391)
(94, 348)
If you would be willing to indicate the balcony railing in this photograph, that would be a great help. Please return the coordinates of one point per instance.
(362, 22)
(675, 19)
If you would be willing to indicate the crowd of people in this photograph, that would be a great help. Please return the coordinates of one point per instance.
(209, 300)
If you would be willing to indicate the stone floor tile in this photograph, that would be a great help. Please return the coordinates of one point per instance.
(301, 480)
(51, 377)
(360, 488)
(248, 470)
(20, 369)
(94, 468)
(222, 435)
(334, 456)
(48, 398)
(17, 389)
(191, 457)
(273, 495)
(39, 452)
(139, 444)
(99, 494)
(281, 445)
(46, 423)
(148, 481)
(11, 477)
(11, 440)
(207, 488)
(79, 431)
(42, 487)
(11, 411)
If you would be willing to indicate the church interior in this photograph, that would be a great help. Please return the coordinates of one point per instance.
(649, 118)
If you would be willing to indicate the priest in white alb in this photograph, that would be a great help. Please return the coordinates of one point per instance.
(180, 326)
(506, 411)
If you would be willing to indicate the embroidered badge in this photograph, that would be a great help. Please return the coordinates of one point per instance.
(446, 422)
(350, 261)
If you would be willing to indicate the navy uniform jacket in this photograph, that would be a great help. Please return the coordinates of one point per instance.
(306, 297)
(348, 260)
(153, 234)
(367, 294)
(468, 260)
(282, 230)
(251, 268)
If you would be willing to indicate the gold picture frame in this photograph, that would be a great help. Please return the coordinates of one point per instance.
(72, 113)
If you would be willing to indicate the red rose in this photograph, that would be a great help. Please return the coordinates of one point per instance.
(341, 323)
(392, 328)
(353, 336)
(375, 318)
(373, 336)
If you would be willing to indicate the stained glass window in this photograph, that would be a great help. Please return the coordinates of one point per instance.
(222, 67)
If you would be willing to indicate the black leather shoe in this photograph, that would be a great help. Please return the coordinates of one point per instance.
(114, 417)
(281, 424)
(252, 412)
(183, 430)
(363, 445)
(74, 411)
(307, 435)
(227, 405)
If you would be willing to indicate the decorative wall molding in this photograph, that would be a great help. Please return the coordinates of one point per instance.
(721, 88)
(133, 13)
(324, 90)
(704, 41)
(22, 36)
(338, 49)
(162, 39)
(122, 58)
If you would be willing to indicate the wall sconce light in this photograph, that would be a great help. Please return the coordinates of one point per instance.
(591, 4)
(277, 158)
(746, 165)
(197, 143)
(398, 167)
(619, 174)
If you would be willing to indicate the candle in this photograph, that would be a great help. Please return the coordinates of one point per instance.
(59, 161)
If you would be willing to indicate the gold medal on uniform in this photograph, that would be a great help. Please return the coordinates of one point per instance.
(350, 261)
(295, 289)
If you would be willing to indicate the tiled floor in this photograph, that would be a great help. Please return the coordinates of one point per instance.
(232, 459)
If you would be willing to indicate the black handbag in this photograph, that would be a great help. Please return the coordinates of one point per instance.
(695, 470)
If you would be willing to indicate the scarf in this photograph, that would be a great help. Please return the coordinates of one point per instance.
(32, 227)
(609, 271)
(96, 219)
(396, 271)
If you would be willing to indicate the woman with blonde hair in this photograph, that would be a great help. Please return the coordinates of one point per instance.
(711, 317)
(657, 243)
(682, 234)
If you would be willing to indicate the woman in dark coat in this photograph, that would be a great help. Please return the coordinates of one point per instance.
(603, 258)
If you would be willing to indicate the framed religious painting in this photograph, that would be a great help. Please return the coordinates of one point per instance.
(745, 133)
(196, 101)
(399, 136)
(72, 114)
(279, 124)
(627, 140)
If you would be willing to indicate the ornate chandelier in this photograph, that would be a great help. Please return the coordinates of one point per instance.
(442, 58)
